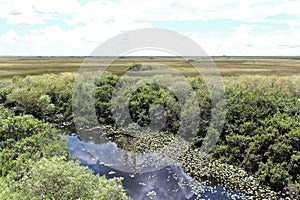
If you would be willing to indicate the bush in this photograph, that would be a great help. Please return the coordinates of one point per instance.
(4, 112)
(45, 97)
(31, 101)
(261, 134)
(14, 157)
(34, 164)
(54, 178)
(16, 128)
(3, 94)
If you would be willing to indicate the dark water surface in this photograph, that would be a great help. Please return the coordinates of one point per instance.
(169, 182)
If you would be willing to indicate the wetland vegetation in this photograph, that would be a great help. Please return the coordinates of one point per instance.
(258, 153)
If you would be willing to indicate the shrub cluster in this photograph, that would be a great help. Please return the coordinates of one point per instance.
(56, 178)
(45, 97)
(34, 164)
(262, 135)
(261, 132)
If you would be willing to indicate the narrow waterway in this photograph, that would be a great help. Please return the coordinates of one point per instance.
(168, 182)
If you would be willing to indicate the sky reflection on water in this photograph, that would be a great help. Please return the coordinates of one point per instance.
(170, 182)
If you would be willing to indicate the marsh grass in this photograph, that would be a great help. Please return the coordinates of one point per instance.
(228, 66)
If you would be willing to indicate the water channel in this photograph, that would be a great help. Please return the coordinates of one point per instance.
(168, 182)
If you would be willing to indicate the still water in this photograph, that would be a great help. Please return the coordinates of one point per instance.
(168, 182)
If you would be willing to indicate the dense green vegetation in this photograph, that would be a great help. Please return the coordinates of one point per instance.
(56, 178)
(34, 161)
(262, 129)
(261, 133)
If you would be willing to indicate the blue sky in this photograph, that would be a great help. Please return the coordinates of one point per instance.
(220, 27)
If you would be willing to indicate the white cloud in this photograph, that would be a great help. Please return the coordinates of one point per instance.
(94, 22)
(37, 12)
(81, 40)
(69, 22)
(213, 33)
(242, 42)
(9, 37)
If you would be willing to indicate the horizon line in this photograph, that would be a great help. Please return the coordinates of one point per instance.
(228, 56)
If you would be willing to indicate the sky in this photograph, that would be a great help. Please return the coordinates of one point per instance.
(220, 27)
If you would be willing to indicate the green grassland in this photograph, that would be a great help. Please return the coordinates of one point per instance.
(228, 66)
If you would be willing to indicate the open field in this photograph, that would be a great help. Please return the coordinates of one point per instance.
(11, 66)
